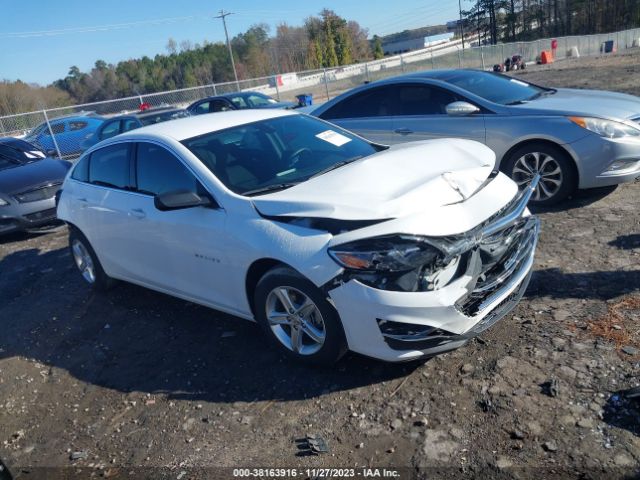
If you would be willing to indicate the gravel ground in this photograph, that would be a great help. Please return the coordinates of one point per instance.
(136, 384)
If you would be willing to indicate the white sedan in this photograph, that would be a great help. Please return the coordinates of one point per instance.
(331, 243)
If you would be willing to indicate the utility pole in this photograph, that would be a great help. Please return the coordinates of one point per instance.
(461, 24)
(222, 15)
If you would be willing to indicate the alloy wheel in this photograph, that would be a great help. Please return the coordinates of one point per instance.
(83, 260)
(543, 164)
(295, 320)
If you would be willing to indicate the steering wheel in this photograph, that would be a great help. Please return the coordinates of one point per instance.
(298, 152)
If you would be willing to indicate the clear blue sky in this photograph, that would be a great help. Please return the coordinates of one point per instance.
(41, 39)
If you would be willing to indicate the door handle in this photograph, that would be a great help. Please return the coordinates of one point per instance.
(137, 213)
(83, 200)
(403, 131)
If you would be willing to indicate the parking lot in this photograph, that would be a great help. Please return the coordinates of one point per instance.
(101, 383)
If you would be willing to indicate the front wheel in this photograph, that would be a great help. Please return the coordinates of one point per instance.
(558, 178)
(297, 318)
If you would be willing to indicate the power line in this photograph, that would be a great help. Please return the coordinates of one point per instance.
(223, 16)
(99, 28)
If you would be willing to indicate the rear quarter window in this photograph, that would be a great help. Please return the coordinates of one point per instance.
(109, 166)
(81, 170)
(74, 126)
(55, 128)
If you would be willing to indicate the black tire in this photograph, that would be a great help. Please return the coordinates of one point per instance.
(101, 281)
(568, 177)
(334, 345)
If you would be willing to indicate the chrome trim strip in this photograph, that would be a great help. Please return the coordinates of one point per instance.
(515, 213)
(512, 263)
(514, 280)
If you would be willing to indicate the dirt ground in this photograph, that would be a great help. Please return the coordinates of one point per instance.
(136, 384)
(620, 72)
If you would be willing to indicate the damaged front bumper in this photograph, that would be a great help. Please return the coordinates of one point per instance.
(401, 326)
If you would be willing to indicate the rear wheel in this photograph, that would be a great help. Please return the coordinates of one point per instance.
(298, 319)
(558, 178)
(87, 262)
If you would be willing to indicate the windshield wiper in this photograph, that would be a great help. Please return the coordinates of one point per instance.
(335, 165)
(269, 188)
(544, 93)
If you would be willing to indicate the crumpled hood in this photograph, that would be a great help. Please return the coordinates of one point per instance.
(405, 179)
(585, 102)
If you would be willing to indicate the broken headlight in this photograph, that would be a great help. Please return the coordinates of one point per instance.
(399, 263)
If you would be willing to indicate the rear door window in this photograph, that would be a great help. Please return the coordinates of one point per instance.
(239, 102)
(220, 106)
(109, 166)
(376, 102)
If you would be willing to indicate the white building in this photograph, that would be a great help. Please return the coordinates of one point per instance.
(394, 48)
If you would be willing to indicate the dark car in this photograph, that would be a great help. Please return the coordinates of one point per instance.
(68, 134)
(237, 101)
(29, 182)
(123, 123)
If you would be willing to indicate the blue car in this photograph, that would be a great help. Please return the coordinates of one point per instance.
(68, 131)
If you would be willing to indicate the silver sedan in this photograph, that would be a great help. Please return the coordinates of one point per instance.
(572, 138)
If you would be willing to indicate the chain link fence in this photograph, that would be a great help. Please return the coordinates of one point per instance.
(61, 131)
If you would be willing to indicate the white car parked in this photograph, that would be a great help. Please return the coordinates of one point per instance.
(328, 241)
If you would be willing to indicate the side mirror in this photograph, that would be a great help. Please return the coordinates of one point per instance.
(177, 200)
(461, 108)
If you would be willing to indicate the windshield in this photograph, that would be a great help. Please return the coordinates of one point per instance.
(277, 153)
(495, 87)
(251, 100)
(18, 153)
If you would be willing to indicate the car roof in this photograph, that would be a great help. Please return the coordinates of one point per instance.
(183, 128)
(442, 75)
(230, 94)
(83, 118)
(153, 111)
